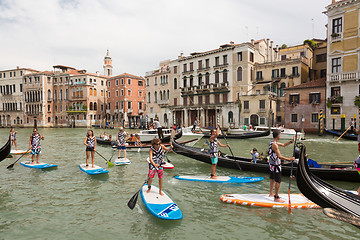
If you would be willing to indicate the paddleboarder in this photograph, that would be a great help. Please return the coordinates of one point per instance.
(358, 138)
(214, 151)
(90, 143)
(34, 145)
(275, 158)
(121, 141)
(13, 137)
(156, 156)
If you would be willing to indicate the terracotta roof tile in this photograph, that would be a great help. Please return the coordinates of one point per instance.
(312, 84)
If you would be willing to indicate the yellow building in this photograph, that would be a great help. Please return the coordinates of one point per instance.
(342, 60)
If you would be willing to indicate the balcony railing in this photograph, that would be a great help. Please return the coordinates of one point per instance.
(130, 111)
(336, 37)
(344, 76)
(336, 99)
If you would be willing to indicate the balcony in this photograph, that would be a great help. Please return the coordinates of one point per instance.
(262, 110)
(79, 83)
(336, 37)
(335, 99)
(141, 111)
(188, 72)
(108, 111)
(76, 111)
(116, 111)
(222, 66)
(338, 77)
(130, 111)
(163, 103)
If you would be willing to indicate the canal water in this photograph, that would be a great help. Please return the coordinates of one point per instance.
(66, 203)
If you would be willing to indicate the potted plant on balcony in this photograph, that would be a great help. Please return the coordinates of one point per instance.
(357, 101)
(335, 34)
(329, 103)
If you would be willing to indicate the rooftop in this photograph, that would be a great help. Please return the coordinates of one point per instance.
(312, 84)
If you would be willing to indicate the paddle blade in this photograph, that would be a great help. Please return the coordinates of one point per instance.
(139, 149)
(11, 166)
(132, 202)
(110, 164)
(289, 201)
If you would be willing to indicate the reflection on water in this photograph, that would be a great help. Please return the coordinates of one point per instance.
(68, 201)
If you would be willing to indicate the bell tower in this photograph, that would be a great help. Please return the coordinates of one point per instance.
(107, 64)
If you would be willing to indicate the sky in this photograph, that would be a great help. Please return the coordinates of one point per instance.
(140, 33)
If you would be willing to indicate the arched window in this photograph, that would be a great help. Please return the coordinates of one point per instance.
(216, 76)
(184, 85)
(191, 81)
(200, 80)
(207, 78)
(239, 74)
(149, 98)
(49, 95)
(94, 92)
(91, 106)
(95, 106)
(161, 96)
(230, 117)
(55, 95)
(155, 97)
(91, 91)
(168, 94)
(225, 75)
(61, 94)
(164, 95)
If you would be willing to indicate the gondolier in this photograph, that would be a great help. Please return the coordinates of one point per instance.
(159, 128)
(275, 158)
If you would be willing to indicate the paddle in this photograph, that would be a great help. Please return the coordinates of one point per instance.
(343, 133)
(232, 153)
(108, 162)
(12, 165)
(291, 172)
(132, 202)
(139, 149)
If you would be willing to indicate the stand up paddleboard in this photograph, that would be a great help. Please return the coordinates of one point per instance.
(160, 206)
(165, 166)
(92, 170)
(19, 152)
(263, 200)
(221, 179)
(122, 161)
(37, 165)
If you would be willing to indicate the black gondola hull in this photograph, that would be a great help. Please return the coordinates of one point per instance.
(245, 135)
(5, 150)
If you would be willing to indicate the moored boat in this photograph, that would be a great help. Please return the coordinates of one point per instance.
(323, 193)
(349, 136)
(339, 172)
(286, 133)
(5, 150)
(245, 135)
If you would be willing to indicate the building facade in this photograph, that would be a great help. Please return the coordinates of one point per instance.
(343, 88)
(303, 105)
(12, 111)
(126, 100)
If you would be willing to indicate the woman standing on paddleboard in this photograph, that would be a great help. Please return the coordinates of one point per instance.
(90, 143)
(34, 145)
(214, 151)
(13, 137)
(121, 142)
(156, 155)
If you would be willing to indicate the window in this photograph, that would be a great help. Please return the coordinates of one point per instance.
(282, 72)
(191, 66)
(175, 101)
(225, 75)
(321, 58)
(216, 76)
(216, 61)
(259, 75)
(262, 121)
(155, 97)
(185, 101)
(262, 104)
(200, 64)
(129, 92)
(282, 87)
(140, 94)
(322, 73)
(140, 105)
(246, 105)
(207, 99)
(140, 83)
(129, 104)
(185, 67)
(122, 81)
(314, 98)
(314, 117)
(129, 81)
(207, 64)
(49, 119)
(155, 81)
(295, 71)
(149, 98)
(102, 83)
(102, 92)
(275, 73)
(335, 110)
(108, 94)
(207, 78)
(246, 121)
(283, 57)
(117, 82)
(109, 84)
(294, 118)
(336, 65)
(184, 82)
(147, 82)
(239, 74)
(251, 57)
(294, 98)
(175, 69)
(116, 93)
(200, 80)
(175, 83)
(49, 95)
(225, 60)
(239, 56)
(225, 97)
(337, 25)
(335, 91)
(200, 100)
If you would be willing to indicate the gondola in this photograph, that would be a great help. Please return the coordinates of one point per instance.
(348, 136)
(5, 150)
(166, 139)
(323, 193)
(327, 171)
(146, 146)
(245, 135)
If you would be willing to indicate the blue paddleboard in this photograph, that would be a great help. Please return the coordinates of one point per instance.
(37, 165)
(160, 206)
(221, 179)
(92, 170)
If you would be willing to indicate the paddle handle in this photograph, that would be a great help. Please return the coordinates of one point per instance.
(291, 172)
(343, 133)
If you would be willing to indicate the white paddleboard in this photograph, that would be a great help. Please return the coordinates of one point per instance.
(122, 161)
(161, 206)
(220, 179)
(92, 170)
(263, 200)
(19, 152)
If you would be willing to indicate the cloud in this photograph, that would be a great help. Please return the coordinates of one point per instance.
(140, 34)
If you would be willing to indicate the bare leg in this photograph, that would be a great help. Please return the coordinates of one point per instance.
(272, 183)
(124, 153)
(87, 158)
(212, 171)
(92, 158)
(277, 188)
(358, 191)
(37, 158)
(149, 184)
(32, 159)
(160, 186)
(15, 145)
(119, 153)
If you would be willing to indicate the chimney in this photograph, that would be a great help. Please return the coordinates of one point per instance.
(271, 50)
(333, 1)
(17, 67)
(252, 41)
(181, 55)
(231, 42)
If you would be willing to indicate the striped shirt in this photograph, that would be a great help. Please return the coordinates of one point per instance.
(157, 157)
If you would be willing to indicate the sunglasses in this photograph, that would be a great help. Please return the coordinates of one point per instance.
(157, 144)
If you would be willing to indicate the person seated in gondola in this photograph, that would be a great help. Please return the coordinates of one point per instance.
(255, 155)
(137, 140)
(105, 136)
